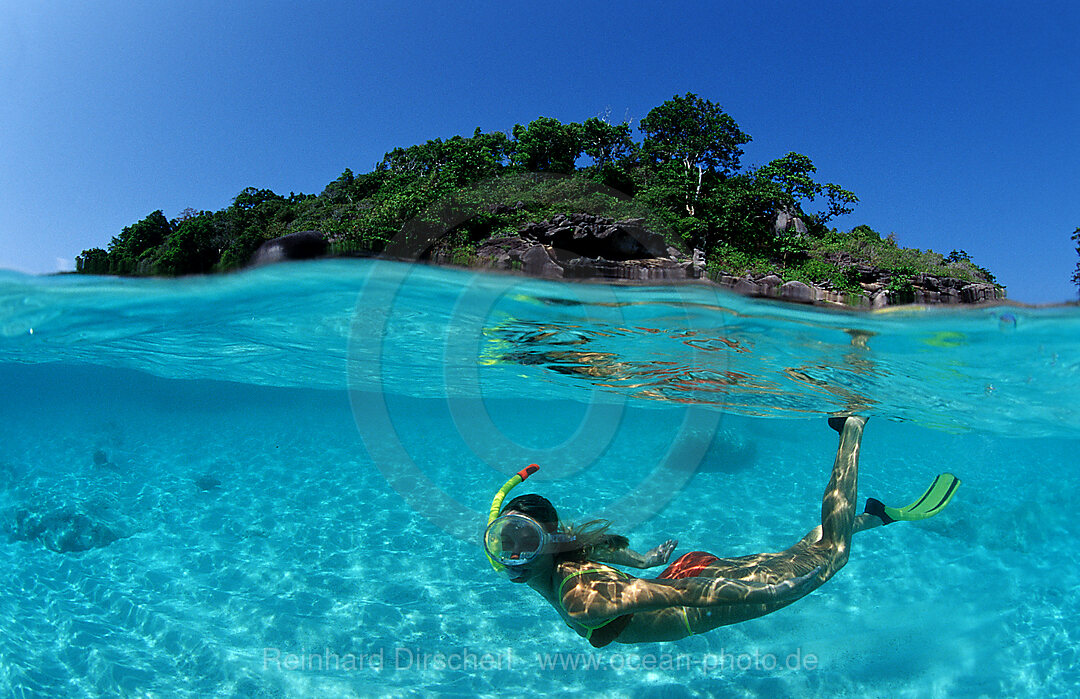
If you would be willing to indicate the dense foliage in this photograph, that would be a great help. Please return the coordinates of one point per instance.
(1076, 274)
(685, 177)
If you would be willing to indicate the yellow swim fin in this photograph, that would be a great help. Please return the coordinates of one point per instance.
(934, 500)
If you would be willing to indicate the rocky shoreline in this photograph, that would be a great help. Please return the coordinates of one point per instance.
(589, 247)
(927, 290)
(582, 246)
(876, 290)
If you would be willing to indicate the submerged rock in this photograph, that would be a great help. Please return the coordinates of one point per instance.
(69, 514)
(101, 460)
(207, 482)
(65, 529)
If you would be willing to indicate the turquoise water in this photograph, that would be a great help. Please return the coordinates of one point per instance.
(271, 484)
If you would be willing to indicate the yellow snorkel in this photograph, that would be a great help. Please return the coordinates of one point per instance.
(497, 501)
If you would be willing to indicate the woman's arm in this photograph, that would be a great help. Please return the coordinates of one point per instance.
(604, 597)
(628, 557)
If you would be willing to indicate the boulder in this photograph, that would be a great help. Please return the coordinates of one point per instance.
(978, 293)
(697, 258)
(598, 237)
(747, 287)
(787, 221)
(515, 253)
(796, 291)
(769, 284)
(537, 261)
(502, 253)
(304, 245)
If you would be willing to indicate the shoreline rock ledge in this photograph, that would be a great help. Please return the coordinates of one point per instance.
(926, 289)
(583, 246)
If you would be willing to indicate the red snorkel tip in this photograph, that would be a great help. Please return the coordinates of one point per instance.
(528, 471)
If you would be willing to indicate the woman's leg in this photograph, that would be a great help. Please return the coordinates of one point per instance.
(861, 524)
(838, 502)
(827, 544)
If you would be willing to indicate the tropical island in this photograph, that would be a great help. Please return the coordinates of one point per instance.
(575, 200)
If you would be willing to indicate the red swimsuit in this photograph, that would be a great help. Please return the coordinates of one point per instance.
(688, 565)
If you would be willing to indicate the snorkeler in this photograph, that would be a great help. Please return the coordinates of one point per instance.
(698, 591)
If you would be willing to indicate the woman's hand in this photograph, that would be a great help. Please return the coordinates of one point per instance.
(660, 555)
(628, 557)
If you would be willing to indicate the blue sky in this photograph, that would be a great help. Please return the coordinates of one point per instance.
(956, 124)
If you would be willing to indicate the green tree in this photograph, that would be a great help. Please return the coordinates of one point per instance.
(606, 144)
(251, 198)
(342, 186)
(698, 135)
(741, 210)
(694, 132)
(666, 188)
(338, 212)
(547, 145)
(92, 261)
(130, 249)
(840, 202)
(794, 184)
(469, 160)
(194, 247)
(792, 176)
(458, 160)
(256, 215)
(961, 259)
(612, 151)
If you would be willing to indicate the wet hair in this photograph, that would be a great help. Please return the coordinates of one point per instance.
(588, 536)
(537, 507)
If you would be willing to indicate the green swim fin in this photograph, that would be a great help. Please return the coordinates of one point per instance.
(934, 500)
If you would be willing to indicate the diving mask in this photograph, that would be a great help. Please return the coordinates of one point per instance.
(515, 540)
